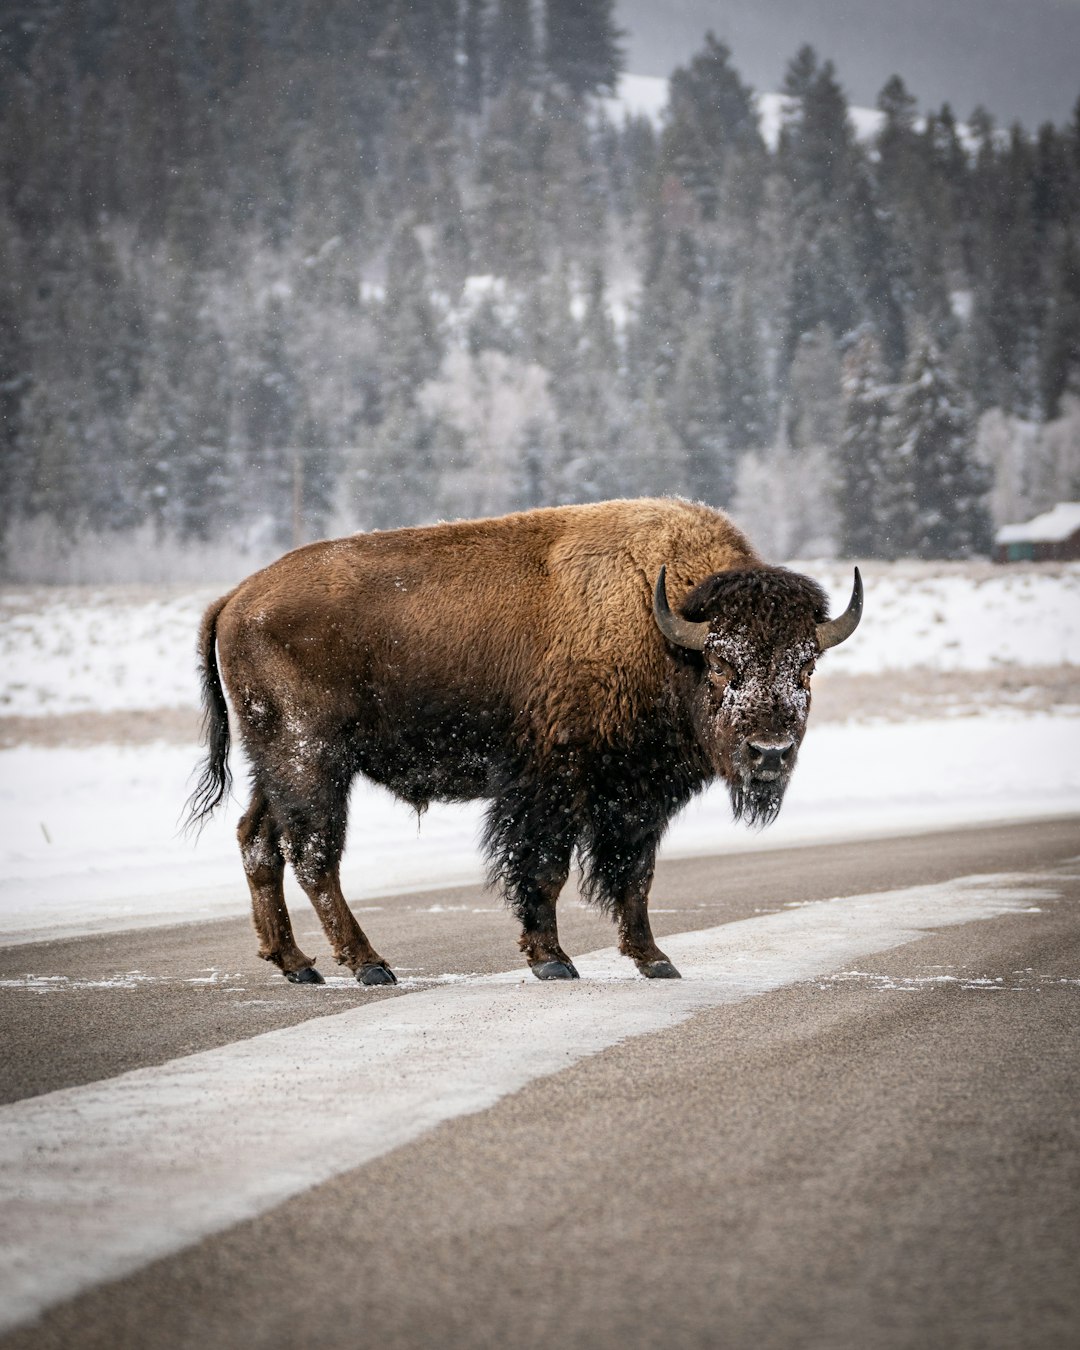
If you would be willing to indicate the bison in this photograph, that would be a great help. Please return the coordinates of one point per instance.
(584, 669)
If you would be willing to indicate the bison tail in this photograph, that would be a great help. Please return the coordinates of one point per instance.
(215, 779)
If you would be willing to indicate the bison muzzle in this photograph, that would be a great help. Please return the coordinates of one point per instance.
(584, 669)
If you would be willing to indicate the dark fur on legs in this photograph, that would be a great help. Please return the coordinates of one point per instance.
(529, 839)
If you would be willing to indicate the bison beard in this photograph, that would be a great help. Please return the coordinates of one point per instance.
(755, 803)
(533, 661)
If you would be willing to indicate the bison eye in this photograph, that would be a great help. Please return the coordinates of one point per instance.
(722, 674)
(805, 673)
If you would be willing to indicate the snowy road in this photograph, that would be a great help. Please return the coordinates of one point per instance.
(865, 1086)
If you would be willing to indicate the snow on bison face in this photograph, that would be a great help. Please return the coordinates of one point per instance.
(758, 633)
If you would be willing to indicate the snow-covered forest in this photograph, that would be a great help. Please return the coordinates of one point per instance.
(268, 272)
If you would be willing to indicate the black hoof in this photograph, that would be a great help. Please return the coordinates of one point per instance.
(555, 970)
(376, 975)
(306, 975)
(659, 970)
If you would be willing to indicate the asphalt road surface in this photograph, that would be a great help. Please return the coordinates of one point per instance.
(852, 1124)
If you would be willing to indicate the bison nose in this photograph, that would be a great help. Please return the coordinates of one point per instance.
(769, 758)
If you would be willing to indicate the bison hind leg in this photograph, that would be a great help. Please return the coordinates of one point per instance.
(313, 817)
(264, 865)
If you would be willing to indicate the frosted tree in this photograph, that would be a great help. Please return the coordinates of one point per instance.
(508, 234)
(592, 409)
(1060, 356)
(511, 44)
(813, 412)
(471, 78)
(873, 505)
(783, 502)
(395, 485)
(581, 45)
(932, 433)
(179, 423)
(498, 423)
(697, 409)
(710, 115)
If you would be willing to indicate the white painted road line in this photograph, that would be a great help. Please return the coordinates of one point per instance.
(99, 1180)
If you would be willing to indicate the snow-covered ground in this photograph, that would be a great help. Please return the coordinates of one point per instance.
(90, 838)
(65, 650)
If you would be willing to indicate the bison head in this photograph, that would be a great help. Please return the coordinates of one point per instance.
(755, 635)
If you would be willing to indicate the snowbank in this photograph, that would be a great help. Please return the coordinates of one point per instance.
(957, 617)
(117, 649)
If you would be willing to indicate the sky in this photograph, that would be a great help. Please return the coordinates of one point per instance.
(1018, 58)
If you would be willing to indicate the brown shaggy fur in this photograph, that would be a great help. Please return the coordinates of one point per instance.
(548, 610)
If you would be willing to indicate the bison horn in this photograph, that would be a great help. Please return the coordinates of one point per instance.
(674, 627)
(836, 630)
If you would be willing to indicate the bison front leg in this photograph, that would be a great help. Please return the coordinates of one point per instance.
(619, 861)
(635, 935)
(529, 850)
(534, 904)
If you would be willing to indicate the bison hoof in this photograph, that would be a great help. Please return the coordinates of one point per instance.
(376, 975)
(555, 970)
(305, 975)
(659, 970)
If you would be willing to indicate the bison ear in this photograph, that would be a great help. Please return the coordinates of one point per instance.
(836, 630)
(674, 627)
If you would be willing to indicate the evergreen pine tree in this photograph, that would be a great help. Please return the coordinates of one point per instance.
(710, 113)
(1060, 355)
(581, 45)
(821, 164)
(15, 453)
(411, 335)
(874, 505)
(508, 233)
(511, 45)
(748, 413)
(914, 221)
(272, 417)
(697, 412)
(817, 149)
(397, 483)
(814, 391)
(932, 434)
(472, 79)
(592, 410)
(179, 422)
